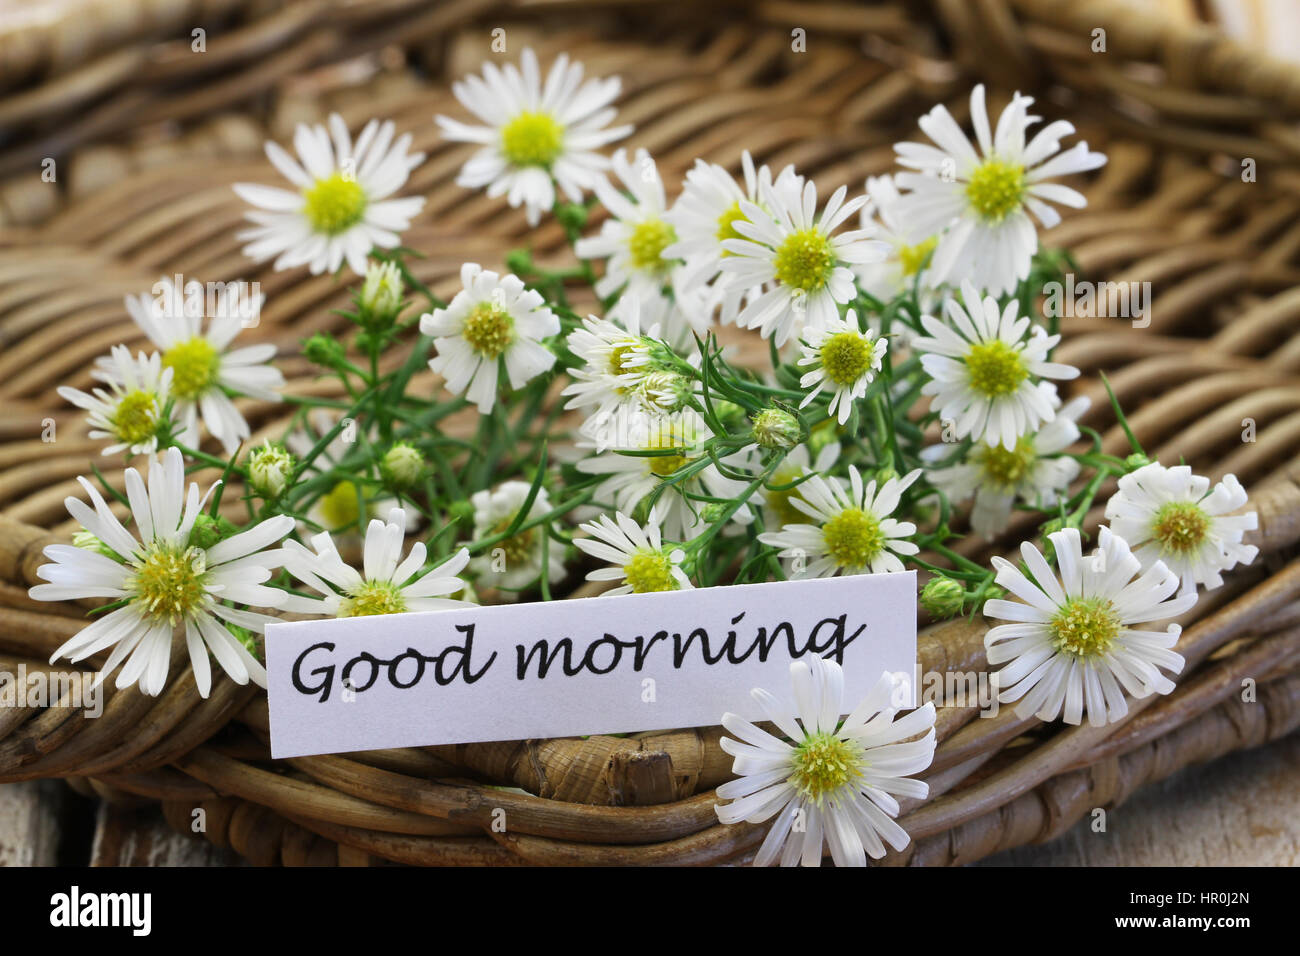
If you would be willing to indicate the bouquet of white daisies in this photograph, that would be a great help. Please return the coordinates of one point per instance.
(904, 390)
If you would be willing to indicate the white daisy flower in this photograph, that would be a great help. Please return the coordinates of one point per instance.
(853, 533)
(983, 370)
(638, 556)
(829, 783)
(202, 363)
(703, 217)
(1171, 515)
(1073, 646)
(778, 502)
(841, 359)
(632, 243)
(631, 479)
(537, 136)
(980, 201)
(906, 262)
(1034, 472)
(339, 208)
(794, 252)
(616, 359)
(165, 581)
(130, 410)
(493, 319)
(387, 582)
(517, 561)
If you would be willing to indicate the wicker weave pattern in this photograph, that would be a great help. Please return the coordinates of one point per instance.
(1223, 257)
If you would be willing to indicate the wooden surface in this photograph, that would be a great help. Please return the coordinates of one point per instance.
(1243, 810)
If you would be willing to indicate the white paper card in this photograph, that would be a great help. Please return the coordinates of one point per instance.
(567, 668)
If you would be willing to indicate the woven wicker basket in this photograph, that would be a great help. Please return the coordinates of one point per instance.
(147, 136)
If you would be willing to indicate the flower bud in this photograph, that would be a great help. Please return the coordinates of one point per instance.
(324, 350)
(89, 541)
(402, 466)
(943, 597)
(208, 530)
(381, 294)
(519, 261)
(1136, 460)
(269, 470)
(666, 391)
(776, 428)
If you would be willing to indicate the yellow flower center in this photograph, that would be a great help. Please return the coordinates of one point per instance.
(853, 537)
(727, 224)
(532, 139)
(846, 357)
(371, 598)
(912, 258)
(169, 583)
(650, 570)
(1008, 468)
(781, 501)
(996, 189)
(823, 763)
(647, 244)
(335, 204)
(1085, 627)
(339, 506)
(1180, 527)
(135, 419)
(489, 330)
(518, 548)
(995, 368)
(805, 260)
(194, 366)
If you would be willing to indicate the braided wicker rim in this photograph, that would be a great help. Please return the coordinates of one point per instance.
(1176, 109)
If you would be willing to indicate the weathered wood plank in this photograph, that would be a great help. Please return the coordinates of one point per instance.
(1240, 810)
(141, 837)
(29, 822)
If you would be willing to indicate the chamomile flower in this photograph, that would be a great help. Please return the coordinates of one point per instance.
(906, 262)
(979, 202)
(829, 783)
(853, 532)
(1034, 472)
(793, 252)
(638, 556)
(778, 500)
(984, 369)
(630, 479)
(517, 561)
(339, 208)
(130, 410)
(536, 136)
(1171, 515)
(632, 243)
(386, 584)
(166, 581)
(616, 359)
(703, 217)
(841, 359)
(1073, 648)
(202, 364)
(493, 320)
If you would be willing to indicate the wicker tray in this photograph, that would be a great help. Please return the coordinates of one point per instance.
(148, 137)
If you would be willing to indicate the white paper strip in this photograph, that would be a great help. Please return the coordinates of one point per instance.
(567, 668)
